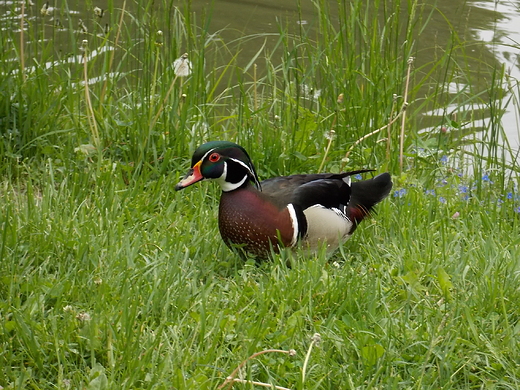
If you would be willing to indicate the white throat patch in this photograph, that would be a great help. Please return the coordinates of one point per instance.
(227, 186)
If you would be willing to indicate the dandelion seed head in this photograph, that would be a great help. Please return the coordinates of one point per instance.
(84, 45)
(182, 66)
(83, 316)
(159, 38)
(309, 92)
(330, 135)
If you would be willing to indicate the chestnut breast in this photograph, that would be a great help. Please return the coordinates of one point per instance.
(247, 219)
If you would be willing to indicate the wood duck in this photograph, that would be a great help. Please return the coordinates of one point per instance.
(286, 211)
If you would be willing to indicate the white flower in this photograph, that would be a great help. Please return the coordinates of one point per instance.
(46, 10)
(82, 26)
(182, 66)
(309, 92)
(83, 316)
(98, 12)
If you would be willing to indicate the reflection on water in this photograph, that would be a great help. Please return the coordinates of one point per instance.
(503, 37)
(489, 28)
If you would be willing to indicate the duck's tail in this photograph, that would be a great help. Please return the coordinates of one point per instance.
(366, 194)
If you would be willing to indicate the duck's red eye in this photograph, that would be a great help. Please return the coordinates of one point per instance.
(214, 157)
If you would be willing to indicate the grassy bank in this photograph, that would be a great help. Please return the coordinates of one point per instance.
(109, 279)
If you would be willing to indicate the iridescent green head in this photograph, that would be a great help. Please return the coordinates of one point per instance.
(223, 161)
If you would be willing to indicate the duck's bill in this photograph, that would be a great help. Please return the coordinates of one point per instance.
(193, 176)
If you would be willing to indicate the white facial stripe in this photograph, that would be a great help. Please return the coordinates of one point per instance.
(294, 221)
(208, 152)
(226, 186)
(243, 164)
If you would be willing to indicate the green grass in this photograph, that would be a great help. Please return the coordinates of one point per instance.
(110, 279)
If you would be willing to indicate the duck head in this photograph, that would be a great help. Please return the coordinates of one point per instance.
(225, 162)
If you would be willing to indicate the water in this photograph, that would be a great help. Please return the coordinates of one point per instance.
(488, 28)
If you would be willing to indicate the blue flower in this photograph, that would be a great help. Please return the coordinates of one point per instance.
(429, 192)
(442, 199)
(444, 159)
(463, 189)
(400, 193)
(517, 210)
(357, 177)
(485, 177)
(509, 195)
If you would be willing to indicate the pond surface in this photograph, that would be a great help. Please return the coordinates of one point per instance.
(490, 28)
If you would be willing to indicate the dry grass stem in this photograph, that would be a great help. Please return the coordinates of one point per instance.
(228, 383)
(163, 103)
(330, 136)
(22, 53)
(316, 338)
(403, 118)
(262, 384)
(401, 112)
(389, 127)
(112, 54)
(90, 111)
